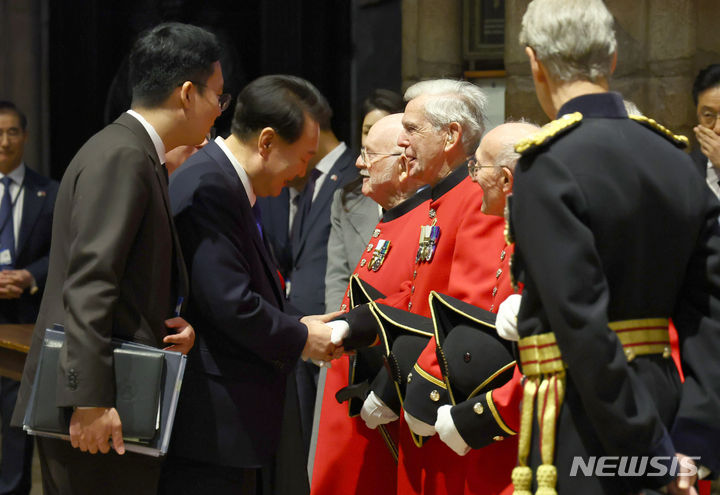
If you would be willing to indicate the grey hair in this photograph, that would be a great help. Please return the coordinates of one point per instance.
(574, 39)
(453, 101)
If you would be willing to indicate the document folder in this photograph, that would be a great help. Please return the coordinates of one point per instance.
(147, 381)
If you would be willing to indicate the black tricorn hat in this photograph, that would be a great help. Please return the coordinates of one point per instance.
(367, 363)
(472, 357)
(362, 292)
(403, 337)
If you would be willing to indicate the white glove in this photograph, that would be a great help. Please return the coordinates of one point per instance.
(447, 432)
(419, 427)
(340, 330)
(375, 413)
(506, 320)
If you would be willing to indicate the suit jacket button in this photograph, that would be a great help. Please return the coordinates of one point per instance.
(434, 396)
(498, 438)
(467, 357)
(478, 408)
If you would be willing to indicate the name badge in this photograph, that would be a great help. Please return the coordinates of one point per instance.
(5, 257)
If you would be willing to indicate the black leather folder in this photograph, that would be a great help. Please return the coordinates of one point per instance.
(147, 382)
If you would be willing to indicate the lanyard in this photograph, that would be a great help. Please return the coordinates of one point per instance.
(12, 204)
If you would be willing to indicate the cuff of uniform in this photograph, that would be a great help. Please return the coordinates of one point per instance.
(387, 390)
(424, 395)
(695, 439)
(363, 328)
(478, 422)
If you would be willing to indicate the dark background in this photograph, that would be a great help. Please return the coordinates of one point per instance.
(344, 47)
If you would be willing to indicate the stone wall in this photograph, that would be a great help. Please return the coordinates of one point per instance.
(661, 46)
(24, 71)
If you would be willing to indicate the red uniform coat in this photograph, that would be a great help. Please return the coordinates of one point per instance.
(350, 458)
(464, 266)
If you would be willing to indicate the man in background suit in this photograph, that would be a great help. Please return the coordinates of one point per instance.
(230, 411)
(26, 212)
(116, 268)
(706, 95)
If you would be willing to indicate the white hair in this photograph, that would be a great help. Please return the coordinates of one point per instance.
(453, 101)
(574, 39)
(631, 108)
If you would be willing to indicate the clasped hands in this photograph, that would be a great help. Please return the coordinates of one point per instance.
(320, 345)
(14, 282)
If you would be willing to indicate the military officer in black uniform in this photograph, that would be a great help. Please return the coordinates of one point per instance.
(614, 235)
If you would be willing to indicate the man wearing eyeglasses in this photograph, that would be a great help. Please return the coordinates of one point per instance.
(386, 263)
(455, 253)
(116, 268)
(706, 95)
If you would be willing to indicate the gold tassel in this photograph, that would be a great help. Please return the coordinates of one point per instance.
(546, 479)
(550, 396)
(522, 474)
(522, 480)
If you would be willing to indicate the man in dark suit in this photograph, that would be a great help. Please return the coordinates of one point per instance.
(26, 211)
(298, 222)
(608, 252)
(706, 96)
(115, 267)
(228, 420)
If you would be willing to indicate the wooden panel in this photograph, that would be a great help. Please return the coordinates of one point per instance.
(14, 346)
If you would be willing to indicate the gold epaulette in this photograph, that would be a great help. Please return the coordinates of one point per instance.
(548, 132)
(677, 139)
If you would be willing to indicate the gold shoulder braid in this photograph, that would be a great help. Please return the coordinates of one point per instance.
(677, 139)
(548, 132)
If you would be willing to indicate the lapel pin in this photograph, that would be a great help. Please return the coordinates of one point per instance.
(334, 177)
(41, 194)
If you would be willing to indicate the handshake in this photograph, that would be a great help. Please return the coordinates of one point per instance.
(325, 337)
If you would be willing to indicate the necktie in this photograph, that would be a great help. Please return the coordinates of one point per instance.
(257, 213)
(7, 236)
(305, 202)
(165, 173)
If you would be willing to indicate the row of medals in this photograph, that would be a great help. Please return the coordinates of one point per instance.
(429, 235)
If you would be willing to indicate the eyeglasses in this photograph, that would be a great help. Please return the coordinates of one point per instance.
(223, 99)
(473, 167)
(708, 118)
(364, 153)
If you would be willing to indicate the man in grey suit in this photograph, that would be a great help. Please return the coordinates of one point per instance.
(116, 269)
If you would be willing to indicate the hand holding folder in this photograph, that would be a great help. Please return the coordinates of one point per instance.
(147, 382)
(91, 427)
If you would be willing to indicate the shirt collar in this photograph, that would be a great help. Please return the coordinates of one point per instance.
(17, 175)
(239, 169)
(327, 162)
(596, 105)
(154, 136)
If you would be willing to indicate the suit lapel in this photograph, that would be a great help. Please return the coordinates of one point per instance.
(33, 198)
(182, 283)
(340, 173)
(248, 217)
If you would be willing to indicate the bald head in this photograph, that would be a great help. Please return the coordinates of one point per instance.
(385, 131)
(385, 177)
(497, 158)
